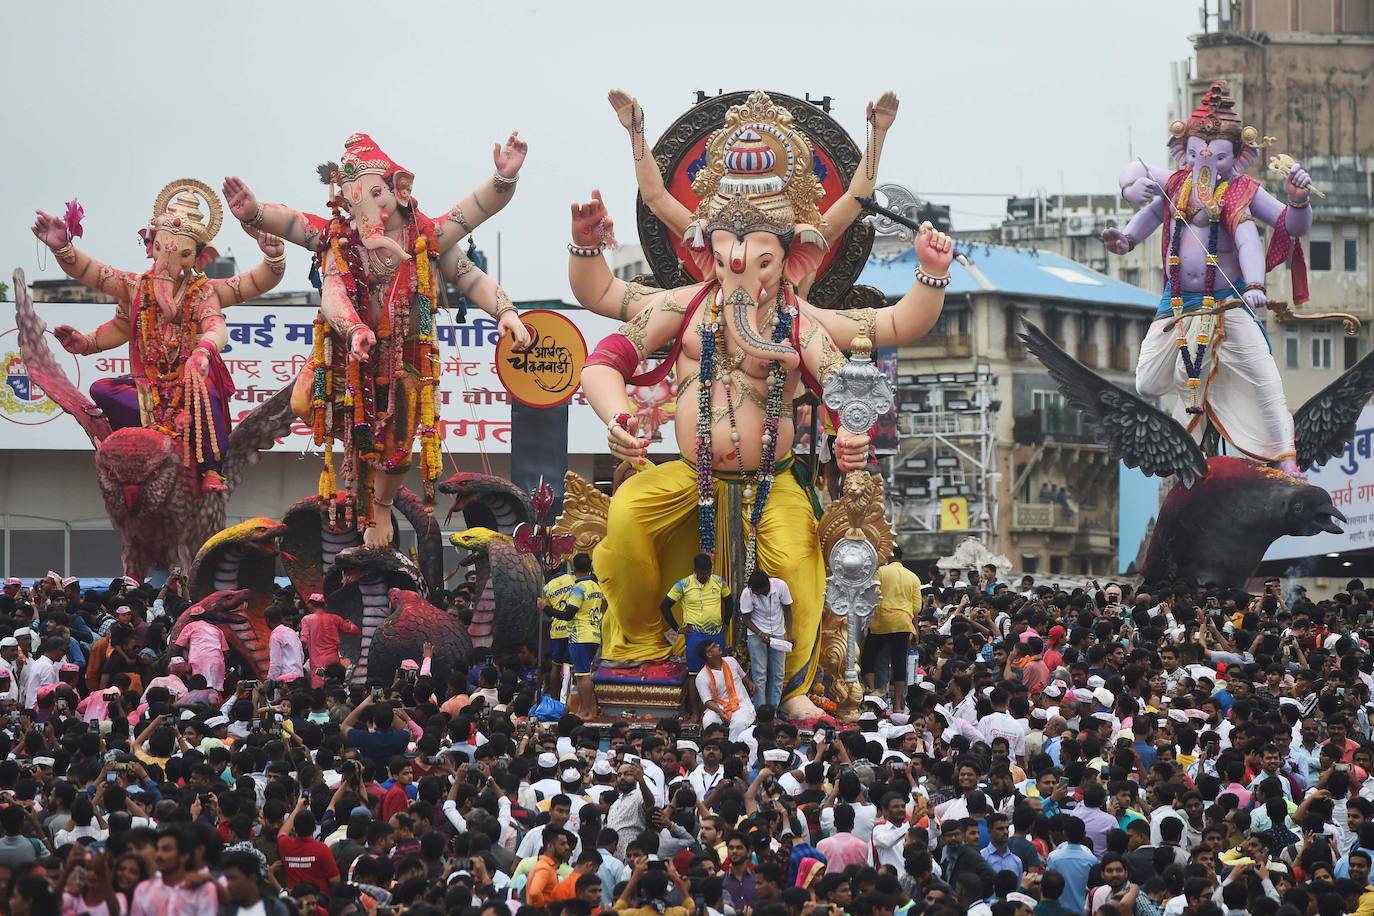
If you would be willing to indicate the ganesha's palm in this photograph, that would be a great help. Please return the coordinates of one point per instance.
(50, 230)
(240, 198)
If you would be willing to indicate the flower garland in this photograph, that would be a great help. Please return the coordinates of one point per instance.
(1192, 362)
(164, 349)
(712, 340)
(377, 416)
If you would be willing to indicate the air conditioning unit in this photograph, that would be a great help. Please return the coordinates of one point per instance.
(1078, 225)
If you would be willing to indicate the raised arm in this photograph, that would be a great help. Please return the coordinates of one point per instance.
(878, 118)
(253, 283)
(277, 219)
(665, 206)
(78, 265)
(1267, 207)
(1141, 227)
(593, 285)
(912, 316)
(92, 274)
(489, 198)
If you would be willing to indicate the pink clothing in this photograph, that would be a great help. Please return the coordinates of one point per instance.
(94, 708)
(154, 898)
(1239, 791)
(286, 658)
(175, 686)
(320, 632)
(843, 850)
(207, 646)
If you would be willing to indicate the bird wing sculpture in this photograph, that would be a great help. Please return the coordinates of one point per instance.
(1325, 425)
(1139, 434)
(43, 368)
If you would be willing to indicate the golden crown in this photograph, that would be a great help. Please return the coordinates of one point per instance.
(758, 167)
(177, 210)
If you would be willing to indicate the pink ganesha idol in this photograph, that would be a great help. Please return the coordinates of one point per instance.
(170, 316)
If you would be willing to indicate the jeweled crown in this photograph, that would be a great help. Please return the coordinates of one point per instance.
(758, 174)
(177, 210)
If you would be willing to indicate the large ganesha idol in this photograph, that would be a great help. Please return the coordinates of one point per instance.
(165, 457)
(372, 383)
(745, 343)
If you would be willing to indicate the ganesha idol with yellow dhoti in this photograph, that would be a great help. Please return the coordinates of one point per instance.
(744, 344)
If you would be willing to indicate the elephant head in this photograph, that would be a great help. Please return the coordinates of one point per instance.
(178, 238)
(752, 255)
(373, 189)
(1212, 145)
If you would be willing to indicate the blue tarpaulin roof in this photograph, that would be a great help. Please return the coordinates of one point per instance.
(1012, 271)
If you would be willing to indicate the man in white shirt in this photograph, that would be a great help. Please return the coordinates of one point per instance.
(43, 670)
(999, 724)
(724, 689)
(286, 657)
(11, 664)
(708, 775)
(889, 834)
(766, 608)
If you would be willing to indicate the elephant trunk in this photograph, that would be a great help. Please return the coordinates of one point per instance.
(164, 290)
(743, 335)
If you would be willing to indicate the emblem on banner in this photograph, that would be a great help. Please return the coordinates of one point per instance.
(21, 395)
(547, 373)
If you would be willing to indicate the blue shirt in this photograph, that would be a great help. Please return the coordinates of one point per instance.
(1073, 862)
(1003, 861)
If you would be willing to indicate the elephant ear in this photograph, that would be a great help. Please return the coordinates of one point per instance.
(1178, 151)
(698, 246)
(805, 254)
(206, 257)
(1246, 157)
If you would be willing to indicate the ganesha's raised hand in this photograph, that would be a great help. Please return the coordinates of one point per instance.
(934, 250)
(627, 109)
(240, 198)
(361, 342)
(1299, 183)
(270, 245)
(590, 222)
(1140, 191)
(884, 111)
(50, 230)
(851, 451)
(72, 340)
(511, 157)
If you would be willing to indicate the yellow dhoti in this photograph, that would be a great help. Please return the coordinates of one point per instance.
(652, 537)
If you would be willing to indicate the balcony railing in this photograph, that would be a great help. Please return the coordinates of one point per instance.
(1056, 425)
(950, 344)
(1042, 517)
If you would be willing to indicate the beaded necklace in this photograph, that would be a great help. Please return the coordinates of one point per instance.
(712, 340)
(1192, 362)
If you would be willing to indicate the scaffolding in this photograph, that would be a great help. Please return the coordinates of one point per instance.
(947, 428)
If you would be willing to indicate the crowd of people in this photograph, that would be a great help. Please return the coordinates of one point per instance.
(1021, 750)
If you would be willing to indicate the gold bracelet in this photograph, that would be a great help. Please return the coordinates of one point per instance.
(66, 254)
(256, 219)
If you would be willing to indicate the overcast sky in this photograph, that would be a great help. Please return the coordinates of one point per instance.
(109, 101)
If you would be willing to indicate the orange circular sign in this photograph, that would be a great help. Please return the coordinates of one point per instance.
(548, 372)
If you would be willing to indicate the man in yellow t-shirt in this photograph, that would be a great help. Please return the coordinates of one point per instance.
(584, 606)
(891, 629)
(554, 598)
(705, 603)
